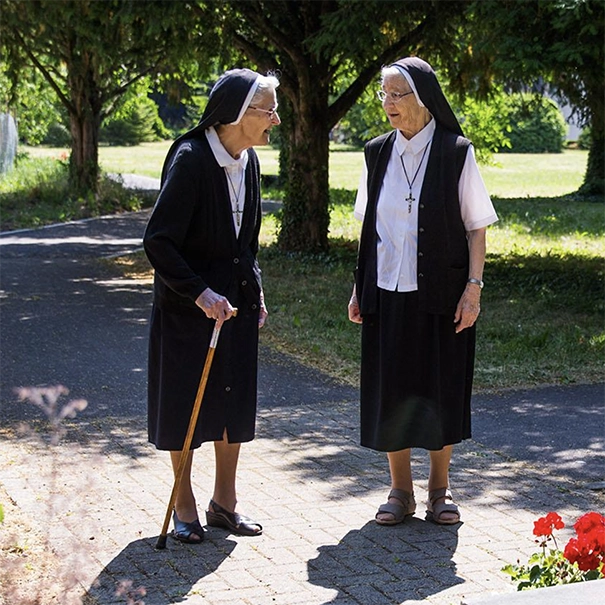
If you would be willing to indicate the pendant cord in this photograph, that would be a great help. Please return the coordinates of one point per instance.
(237, 196)
(410, 198)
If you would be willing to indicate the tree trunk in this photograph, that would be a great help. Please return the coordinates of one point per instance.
(306, 215)
(594, 182)
(84, 122)
(84, 159)
(594, 179)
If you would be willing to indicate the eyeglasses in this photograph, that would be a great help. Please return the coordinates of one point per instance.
(271, 113)
(395, 97)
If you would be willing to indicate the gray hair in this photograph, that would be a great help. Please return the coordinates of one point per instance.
(266, 83)
(390, 70)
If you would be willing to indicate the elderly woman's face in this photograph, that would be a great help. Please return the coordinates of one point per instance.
(403, 112)
(260, 117)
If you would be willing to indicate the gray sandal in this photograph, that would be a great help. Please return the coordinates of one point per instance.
(399, 511)
(435, 509)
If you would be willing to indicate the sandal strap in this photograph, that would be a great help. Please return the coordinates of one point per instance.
(184, 530)
(447, 508)
(440, 502)
(392, 509)
(437, 494)
(406, 498)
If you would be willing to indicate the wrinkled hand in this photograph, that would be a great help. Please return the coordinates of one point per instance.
(354, 314)
(215, 306)
(262, 315)
(468, 308)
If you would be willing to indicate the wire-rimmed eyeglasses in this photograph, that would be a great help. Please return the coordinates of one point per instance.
(271, 113)
(395, 97)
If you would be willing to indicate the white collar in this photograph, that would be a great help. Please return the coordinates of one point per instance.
(222, 156)
(418, 142)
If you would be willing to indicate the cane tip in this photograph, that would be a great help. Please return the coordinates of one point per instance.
(161, 543)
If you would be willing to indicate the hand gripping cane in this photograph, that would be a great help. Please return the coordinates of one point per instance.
(161, 543)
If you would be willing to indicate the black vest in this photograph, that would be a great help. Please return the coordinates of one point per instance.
(442, 253)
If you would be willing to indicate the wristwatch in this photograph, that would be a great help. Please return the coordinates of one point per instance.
(477, 282)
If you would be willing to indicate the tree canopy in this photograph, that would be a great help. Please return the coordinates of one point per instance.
(548, 43)
(90, 53)
(316, 47)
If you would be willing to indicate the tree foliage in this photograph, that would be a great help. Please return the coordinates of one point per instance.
(316, 46)
(90, 53)
(34, 105)
(547, 43)
(485, 121)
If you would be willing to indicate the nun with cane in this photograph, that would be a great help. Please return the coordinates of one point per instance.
(202, 241)
(418, 285)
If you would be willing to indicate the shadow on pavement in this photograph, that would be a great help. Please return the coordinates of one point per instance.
(377, 565)
(156, 577)
(560, 428)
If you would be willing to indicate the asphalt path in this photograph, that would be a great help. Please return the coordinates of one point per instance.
(67, 317)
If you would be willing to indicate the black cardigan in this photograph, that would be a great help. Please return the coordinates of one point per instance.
(190, 238)
(442, 254)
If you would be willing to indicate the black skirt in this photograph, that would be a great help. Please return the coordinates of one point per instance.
(416, 377)
(178, 344)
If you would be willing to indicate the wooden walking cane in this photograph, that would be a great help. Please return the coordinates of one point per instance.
(161, 543)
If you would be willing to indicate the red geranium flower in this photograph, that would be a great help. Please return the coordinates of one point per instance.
(588, 522)
(596, 540)
(545, 526)
(579, 551)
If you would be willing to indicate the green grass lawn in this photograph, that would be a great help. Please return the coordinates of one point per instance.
(513, 175)
(542, 319)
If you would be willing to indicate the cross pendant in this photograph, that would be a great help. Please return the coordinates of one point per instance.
(238, 213)
(409, 199)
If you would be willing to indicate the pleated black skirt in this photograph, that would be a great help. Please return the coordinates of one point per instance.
(178, 344)
(416, 377)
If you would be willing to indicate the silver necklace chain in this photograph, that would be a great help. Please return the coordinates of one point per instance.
(236, 211)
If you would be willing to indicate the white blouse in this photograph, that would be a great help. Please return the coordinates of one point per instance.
(234, 171)
(397, 219)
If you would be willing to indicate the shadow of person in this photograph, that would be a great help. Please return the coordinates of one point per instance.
(388, 565)
(140, 573)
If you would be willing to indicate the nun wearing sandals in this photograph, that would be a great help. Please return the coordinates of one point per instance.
(202, 242)
(418, 282)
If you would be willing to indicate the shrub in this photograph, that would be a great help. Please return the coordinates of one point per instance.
(536, 125)
(137, 122)
(57, 135)
(485, 123)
